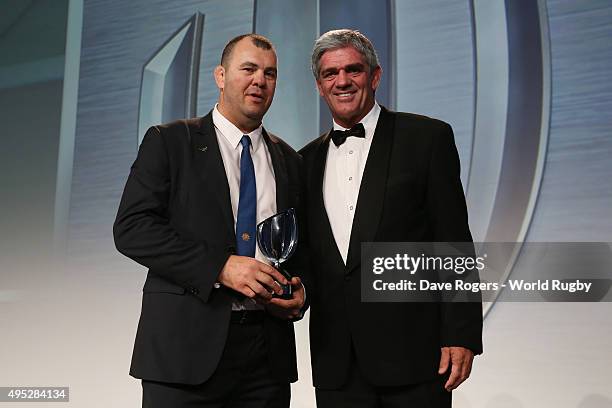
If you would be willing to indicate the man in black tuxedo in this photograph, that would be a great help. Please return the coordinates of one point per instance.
(210, 333)
(380, 176)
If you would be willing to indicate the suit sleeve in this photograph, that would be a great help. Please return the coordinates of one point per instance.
(461, 321)
(143, 229)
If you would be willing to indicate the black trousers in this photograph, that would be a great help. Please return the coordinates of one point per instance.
(242, 379)
(359, 393)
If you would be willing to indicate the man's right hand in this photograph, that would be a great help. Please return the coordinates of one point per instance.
(252, 278)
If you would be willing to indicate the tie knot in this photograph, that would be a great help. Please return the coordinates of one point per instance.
(339, 136)
(245, 141)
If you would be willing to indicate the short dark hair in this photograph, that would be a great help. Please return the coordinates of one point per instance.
(258, 40)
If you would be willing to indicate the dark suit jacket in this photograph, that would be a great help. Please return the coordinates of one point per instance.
(410, 192)
(175, 218)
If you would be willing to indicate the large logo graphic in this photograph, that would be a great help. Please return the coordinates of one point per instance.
(169, 84)
(511, 120)
(511, 108)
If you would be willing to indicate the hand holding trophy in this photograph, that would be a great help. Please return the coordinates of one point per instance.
(277, 239)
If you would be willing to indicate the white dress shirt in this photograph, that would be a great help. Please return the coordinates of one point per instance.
(342, 179)
(228, 137)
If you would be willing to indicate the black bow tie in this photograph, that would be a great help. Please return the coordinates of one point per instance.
(339, 136)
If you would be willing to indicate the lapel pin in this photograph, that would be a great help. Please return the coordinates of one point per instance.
(203, 148)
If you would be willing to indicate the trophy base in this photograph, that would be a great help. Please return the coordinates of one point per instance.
(287, 289)
(287, 292)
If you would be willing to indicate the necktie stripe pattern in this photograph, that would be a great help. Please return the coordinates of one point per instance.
(247, 203)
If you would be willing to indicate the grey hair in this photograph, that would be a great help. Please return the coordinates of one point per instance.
(339, 39)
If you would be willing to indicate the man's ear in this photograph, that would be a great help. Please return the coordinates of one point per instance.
(376, 74)
(219, 74)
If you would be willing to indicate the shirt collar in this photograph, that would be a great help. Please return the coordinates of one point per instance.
(232, 134)
(369, 121)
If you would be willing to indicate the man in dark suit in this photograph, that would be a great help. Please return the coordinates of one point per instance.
(210, 333)
(380, 176)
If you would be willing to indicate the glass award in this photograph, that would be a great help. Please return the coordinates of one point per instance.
(277, 238)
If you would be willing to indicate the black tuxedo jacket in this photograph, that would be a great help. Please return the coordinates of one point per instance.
(175, 218)
(410, 192)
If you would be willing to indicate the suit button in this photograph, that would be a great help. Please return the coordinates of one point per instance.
(194, 291)
(347, 277)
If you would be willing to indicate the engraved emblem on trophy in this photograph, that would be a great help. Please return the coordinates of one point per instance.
(277, 239)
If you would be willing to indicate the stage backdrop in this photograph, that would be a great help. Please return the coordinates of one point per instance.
(527, 87)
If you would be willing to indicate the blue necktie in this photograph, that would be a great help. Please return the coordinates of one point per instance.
(247, 203)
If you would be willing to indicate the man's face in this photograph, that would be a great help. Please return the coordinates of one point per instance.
(247, 84)
(347, 85)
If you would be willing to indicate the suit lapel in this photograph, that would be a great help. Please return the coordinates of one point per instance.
(320, 226)
(372, 189)
(280, 171)
(209, 166)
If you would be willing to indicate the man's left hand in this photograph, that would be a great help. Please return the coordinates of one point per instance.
(460, 359)
(288, 308)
